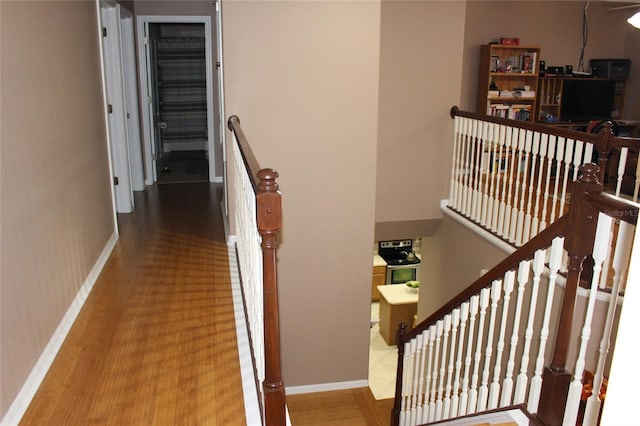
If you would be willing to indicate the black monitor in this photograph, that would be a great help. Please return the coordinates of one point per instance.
(587, 99)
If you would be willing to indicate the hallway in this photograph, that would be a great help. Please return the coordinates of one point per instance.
(155, 342)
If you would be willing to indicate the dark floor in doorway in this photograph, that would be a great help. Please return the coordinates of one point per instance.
(185, 166)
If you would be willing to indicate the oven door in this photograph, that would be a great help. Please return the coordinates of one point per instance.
(397, 274)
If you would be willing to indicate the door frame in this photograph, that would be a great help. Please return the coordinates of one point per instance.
(130, 79)
(143, 22)
(115, 94)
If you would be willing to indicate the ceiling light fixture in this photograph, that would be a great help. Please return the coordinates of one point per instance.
(635, 20)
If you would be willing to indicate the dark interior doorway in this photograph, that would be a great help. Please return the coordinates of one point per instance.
(178, 73)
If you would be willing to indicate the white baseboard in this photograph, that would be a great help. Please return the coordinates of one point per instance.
(326, 387)
(217, 179)
(40, 369)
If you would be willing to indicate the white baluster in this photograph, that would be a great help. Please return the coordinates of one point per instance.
(453, 189)
(482, 179)
(577, 158)
(428, 392)
(521, 382)
(421, 384)
(455, 398)
(555, 259)
(473, 181)
(621, 166)
(559, 160)
(531, 181)
(455, 323)
(443, 368)
(524, 163)
(416, 344)
(550, 157)
(510, 161)
(517, 163)
(604, 277)
(620, 260)
(466, 167)
(464, 395)
(575, 389)
(483, 392)
(498, 204)
(494, 389)
(486, 187)
(565, 180)
(473, 391)
(406, 373)
(434, 376)
(507, 386)
(536, 220)
(505, 139)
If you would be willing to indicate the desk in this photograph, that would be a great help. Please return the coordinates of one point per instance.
(398, 304)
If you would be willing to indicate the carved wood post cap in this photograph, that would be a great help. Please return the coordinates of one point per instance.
(267, 180)
(589, 173)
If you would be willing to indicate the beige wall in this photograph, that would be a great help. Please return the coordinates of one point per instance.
(189, 8)
(303, 78)
(420, 73)
(451, 260)
(56, 206)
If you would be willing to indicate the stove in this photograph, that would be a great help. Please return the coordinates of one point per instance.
(398, 252)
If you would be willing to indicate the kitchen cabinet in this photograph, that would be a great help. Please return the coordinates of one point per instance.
(379, 277)
(398, 304)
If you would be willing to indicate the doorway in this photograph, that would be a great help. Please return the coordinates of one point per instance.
(176, 78)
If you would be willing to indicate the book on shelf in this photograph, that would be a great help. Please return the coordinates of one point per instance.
(520, 112)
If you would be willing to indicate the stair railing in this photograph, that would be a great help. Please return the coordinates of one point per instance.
(488, 347)
(257, 210)
(514, 177)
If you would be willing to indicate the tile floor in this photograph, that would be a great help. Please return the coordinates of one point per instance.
(383, 361)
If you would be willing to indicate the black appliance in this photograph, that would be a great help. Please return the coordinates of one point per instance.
(398, 252)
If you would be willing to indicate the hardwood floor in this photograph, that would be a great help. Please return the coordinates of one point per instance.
(351, 407)
(155, 342)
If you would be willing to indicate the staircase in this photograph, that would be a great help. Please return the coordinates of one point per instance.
(522, 336)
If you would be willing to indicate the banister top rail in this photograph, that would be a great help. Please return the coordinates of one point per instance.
(595, 138)
(618, 208)
(543, 239)
(249, 159)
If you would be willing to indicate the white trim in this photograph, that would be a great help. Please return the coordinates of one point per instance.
(326, 387)
(217, 179)
(249, 392)
(142, 22)
(476, 229)
(103, 83)
(40, 369)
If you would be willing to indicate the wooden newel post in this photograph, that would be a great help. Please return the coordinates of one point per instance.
(579, 244)
(269, 218)
(603, 148)
(397, 403)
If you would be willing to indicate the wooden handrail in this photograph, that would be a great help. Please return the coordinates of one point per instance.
(249, 159)
(542, 240)
(269, 223)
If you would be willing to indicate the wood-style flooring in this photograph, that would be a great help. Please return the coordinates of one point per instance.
(351, 407)
(155, 343)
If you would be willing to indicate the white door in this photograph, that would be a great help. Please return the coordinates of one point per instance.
(130, 78)
(118, 134)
